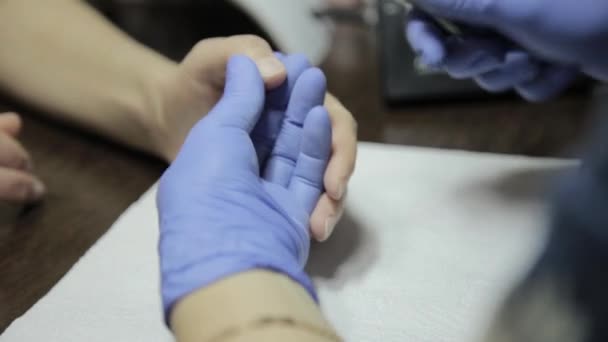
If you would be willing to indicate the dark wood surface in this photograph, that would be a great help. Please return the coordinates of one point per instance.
(92, 182)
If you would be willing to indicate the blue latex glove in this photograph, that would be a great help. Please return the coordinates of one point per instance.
(234, 200)
(548, 42)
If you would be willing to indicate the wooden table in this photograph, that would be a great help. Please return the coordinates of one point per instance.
(92, 181)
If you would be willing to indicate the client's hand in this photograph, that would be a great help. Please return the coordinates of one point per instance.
(241, 190)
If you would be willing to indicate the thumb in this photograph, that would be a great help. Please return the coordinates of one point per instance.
(207, 60)
(243, 98)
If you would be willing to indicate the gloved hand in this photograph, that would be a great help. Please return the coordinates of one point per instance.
(548, 42)
(187, 93)
(239, 195)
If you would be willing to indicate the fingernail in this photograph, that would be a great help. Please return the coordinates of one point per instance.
(269, 66)
(330, 225)
(38, 190)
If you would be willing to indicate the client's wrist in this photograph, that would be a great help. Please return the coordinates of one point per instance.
(239, 304)
(185, 277)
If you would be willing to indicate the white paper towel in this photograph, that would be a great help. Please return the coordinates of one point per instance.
(431, 242)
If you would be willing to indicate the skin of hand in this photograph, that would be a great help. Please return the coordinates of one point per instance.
(235, 302)
(120, 89)
(17, 184)
(548, 42)
(187, 94)
(239, 195)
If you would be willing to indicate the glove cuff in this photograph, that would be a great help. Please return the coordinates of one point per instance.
(180, 283)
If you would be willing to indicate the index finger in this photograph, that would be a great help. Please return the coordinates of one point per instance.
(344, 148)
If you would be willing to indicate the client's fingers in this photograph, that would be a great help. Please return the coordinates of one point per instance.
(325, 217)
(344, 150)
(19, 187)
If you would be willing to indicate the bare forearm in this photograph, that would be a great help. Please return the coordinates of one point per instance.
(63, 57)
(252, 306)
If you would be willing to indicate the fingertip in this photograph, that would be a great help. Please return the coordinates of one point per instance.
(471, 64)
(315, 149)
(309, 91)
(325, 217)
(472, 56)
(315, 77)
(243, 98)
(341, 164)
(10, 123)
(295, 65)
(317, 138)
(37, 191)
(20, 187)
(320, 116)
(426, 42)
(243, 78)
(335, 181)
(317, 229)
(534, 96)
(297, 61)
(10, 116)
(272, 70)
(489, 86)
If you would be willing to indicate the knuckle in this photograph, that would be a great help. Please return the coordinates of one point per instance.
(337, 110)
(20, 161)
(354, 125)
(332, 108)
(347, 171)
(252, 44)
(199, 47)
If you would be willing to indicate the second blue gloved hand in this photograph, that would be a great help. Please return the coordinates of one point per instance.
(553, 41)
(239, 195)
